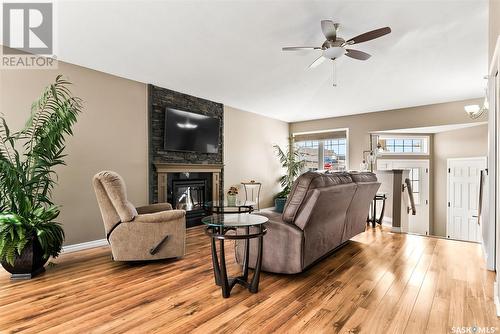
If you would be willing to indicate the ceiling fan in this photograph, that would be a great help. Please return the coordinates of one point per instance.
(335, 47)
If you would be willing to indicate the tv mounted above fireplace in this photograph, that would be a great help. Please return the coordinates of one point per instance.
(190, 132)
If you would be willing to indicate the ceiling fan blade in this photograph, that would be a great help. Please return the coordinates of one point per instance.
(356, 54)
(318, 61)
(367, 36)
(299, 48)
(329, 30)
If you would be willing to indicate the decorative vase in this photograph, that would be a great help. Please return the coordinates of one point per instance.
(30, 263)
(231, 200)
(279, 204)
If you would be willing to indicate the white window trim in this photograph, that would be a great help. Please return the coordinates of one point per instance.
(426, 140)
(347, 155)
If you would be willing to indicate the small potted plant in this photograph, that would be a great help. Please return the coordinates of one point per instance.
(231, 196)
(29, 234)
(292, 162)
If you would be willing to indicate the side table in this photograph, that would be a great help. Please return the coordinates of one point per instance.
(217, 227)
(251, 187)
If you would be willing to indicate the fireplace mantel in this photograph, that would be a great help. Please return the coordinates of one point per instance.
(187, 168)
(163, 169)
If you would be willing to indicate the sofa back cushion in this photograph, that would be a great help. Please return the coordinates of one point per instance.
(323, 220)
(360, 177)
(303, 188)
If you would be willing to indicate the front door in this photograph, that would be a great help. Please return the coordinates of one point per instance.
(419, 178)
(463, 198)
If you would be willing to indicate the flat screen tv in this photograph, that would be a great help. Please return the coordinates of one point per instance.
(190, 132)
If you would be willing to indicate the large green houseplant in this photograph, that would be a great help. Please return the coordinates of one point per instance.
(29, 234)
(292, 161)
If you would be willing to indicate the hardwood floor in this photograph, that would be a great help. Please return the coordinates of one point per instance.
(380, 282)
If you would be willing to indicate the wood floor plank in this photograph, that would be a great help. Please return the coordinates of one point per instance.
(380, 282)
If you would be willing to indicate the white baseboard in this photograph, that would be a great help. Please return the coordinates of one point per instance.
(84, 245)
(387, 222)
(396, 229)
(495, 298)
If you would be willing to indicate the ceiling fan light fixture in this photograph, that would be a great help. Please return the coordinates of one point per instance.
(334, 52)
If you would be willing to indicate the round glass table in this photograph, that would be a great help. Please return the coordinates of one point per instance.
(217, 227)
(221, 207)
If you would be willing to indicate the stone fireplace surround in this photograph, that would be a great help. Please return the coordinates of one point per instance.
(162, 162)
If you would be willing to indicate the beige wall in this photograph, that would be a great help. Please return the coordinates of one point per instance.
(249, 153)
(360, 125)
(494, 25)
(111, 133)
(463, 143)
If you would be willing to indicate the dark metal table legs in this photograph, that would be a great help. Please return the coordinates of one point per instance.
(254, 286)
(373, 219)
(374, 213)
(219, 262)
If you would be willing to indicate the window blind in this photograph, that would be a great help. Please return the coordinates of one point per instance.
(320, 135)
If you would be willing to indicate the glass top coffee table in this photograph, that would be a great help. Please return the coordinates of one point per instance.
(221, 207)
(216, 228)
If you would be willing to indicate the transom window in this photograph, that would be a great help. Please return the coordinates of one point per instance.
(403, 145)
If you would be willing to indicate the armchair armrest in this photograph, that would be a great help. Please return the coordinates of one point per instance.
(159, 217)
(154, 208)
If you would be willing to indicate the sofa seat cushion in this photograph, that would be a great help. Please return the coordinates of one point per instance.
(306, 182)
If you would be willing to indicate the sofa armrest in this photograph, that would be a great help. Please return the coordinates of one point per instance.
(154, 208)
(159, 217)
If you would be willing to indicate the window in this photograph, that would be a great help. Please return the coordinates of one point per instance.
(334, 154)
(329, 151)
(308, 150)
(403, 145)
(415, 184)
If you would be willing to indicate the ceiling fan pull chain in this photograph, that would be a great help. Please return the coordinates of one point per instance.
(334, 73)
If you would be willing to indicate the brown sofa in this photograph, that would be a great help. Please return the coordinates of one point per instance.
(150, 232)
(323, 211)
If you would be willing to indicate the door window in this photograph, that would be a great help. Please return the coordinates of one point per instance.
(415, 184)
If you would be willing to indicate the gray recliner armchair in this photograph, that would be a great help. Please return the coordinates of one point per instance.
(136, 234)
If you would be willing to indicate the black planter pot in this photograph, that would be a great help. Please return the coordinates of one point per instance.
(279, 204)
(30, 263)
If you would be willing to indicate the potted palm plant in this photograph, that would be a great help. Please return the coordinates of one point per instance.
(290, 160)
(29, 234)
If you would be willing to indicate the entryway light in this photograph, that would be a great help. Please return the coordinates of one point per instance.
(475, 111)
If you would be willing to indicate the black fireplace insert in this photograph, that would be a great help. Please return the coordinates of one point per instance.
(190, 192)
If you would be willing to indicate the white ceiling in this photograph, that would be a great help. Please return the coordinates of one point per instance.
(230, 51)
(435, 129)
